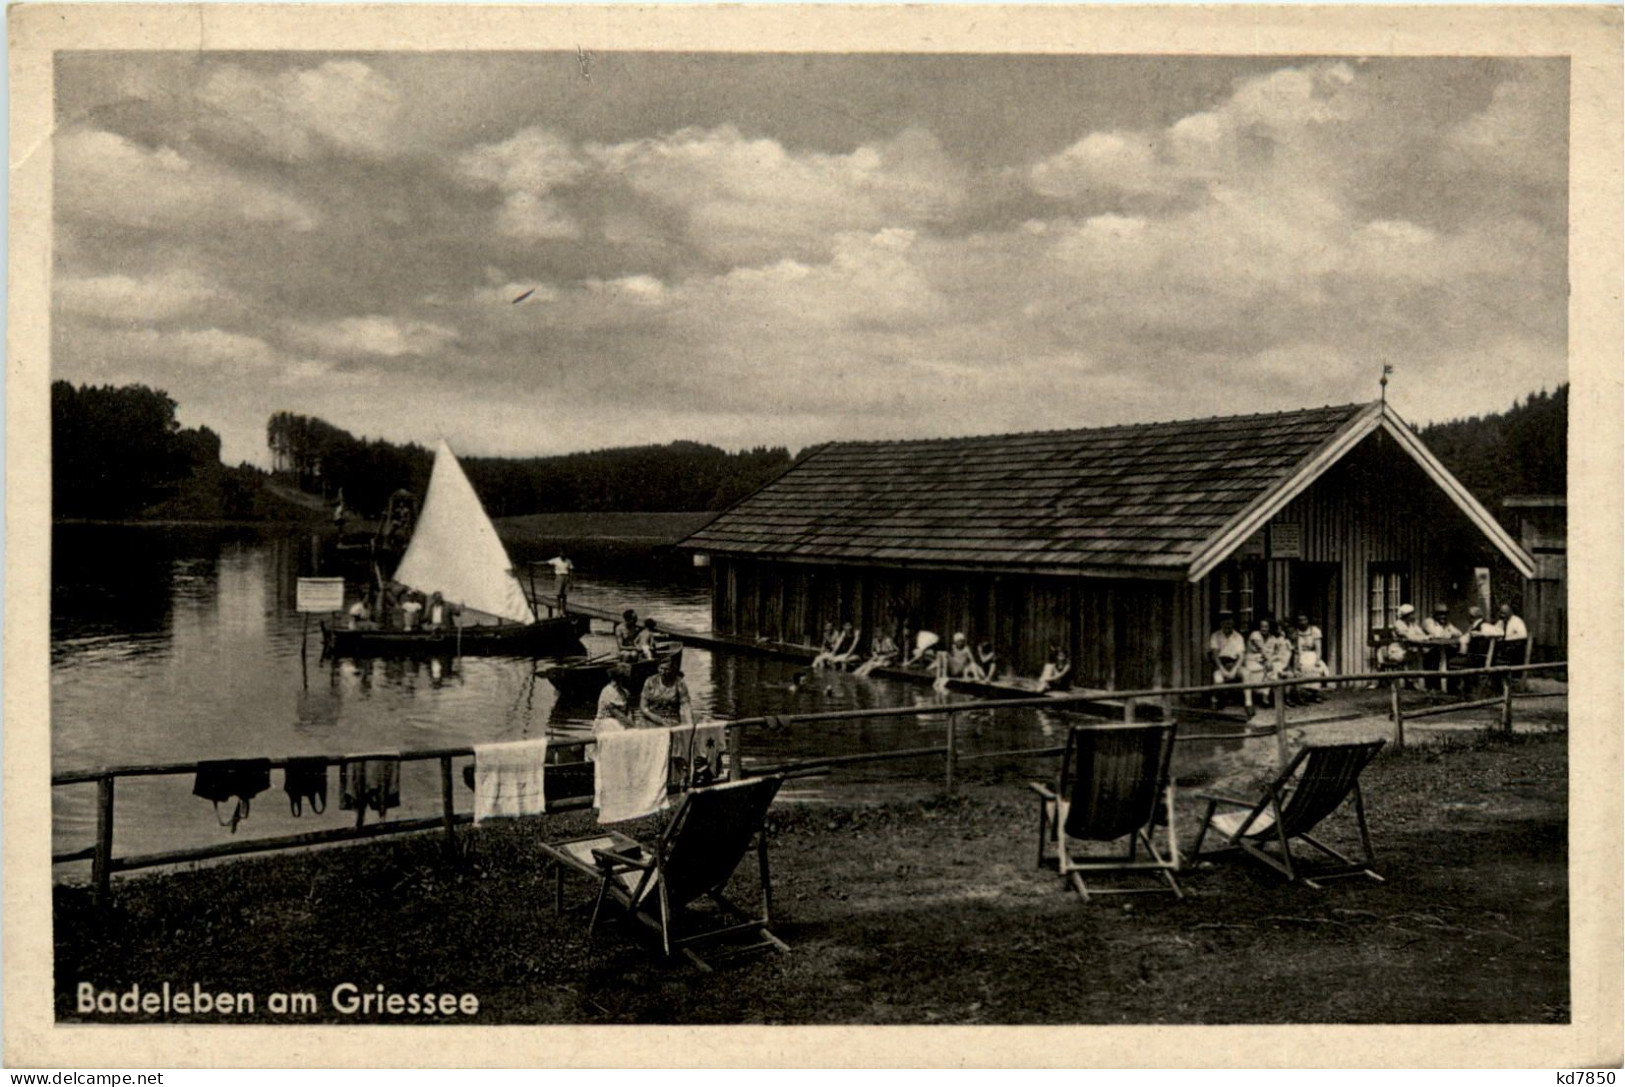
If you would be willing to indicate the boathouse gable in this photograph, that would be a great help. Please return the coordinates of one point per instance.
(1119, 543)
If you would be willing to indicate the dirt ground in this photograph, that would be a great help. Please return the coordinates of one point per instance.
(914, 910)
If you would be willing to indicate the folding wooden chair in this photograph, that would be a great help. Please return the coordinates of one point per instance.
(1113, 777)
(694, 858)
(1316, 783)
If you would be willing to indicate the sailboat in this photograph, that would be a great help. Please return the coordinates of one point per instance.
(455, 551)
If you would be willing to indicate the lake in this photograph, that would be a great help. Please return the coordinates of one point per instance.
(180, 644)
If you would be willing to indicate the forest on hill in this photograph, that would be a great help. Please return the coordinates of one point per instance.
(120, 453)
(1523, 450)
(322, 459)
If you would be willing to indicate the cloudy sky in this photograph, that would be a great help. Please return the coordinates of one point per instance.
(784, 249)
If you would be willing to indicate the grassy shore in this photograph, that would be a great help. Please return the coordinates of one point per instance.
(928, 910)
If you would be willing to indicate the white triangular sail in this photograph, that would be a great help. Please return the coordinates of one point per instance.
(455, 550)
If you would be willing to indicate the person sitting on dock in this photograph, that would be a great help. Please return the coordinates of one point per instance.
(847, 653)
(925, 642)
(838, 646)
(986, 660)
(434, 612)
(1226, 648)
(665, 702)
(882, 654)
(1055, 671)
(957, 662)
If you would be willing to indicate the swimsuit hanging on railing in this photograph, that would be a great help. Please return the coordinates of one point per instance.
(306, 779)
(370, 781)
(232, 779)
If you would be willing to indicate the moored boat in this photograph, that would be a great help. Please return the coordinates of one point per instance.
(456, 555)
(584, 678)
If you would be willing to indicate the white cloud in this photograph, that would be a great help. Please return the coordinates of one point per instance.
(376, 335)
(103, 176)
(526, 168)
(754, 200)
(342, 104)
(168, 294)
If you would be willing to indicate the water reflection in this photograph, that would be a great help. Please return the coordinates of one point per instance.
(183, 645)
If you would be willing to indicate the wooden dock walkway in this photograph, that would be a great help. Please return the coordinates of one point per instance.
(804, 654)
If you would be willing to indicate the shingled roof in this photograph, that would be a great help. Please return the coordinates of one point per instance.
(1155, 499)
(1143, 498)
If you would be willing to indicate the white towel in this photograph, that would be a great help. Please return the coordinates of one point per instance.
(508, 779)
(632, 768)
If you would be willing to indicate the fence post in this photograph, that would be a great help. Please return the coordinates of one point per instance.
(736, 761)
(1278, 694)
(101, 864)
(1506, 702)
(1131, 708)
(1394, 710)
(447, 804)
(953, 751)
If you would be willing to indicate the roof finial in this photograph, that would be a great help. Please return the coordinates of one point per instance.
(1387, 368)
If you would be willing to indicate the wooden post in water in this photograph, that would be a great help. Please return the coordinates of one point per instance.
(448, 807)
(101, 864)
(952, 753)
(1279, 696)
(1506, 702)
(1395, 712)
(736, 758)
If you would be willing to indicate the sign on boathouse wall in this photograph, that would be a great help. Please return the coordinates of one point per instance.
(1286, 540)
(319, 594)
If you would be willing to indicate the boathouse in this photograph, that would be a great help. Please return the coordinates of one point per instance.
(1121, 543)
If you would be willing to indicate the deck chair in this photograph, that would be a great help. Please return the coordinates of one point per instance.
(1113, 778)
(1315, 783)
(694, 858)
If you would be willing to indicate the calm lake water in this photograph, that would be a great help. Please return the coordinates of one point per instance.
(173, 645)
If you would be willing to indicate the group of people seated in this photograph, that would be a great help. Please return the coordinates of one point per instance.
(640, 641)
(957, 659)
(396, 607)
(1436, 643)
(1295, 649)
(663, 702)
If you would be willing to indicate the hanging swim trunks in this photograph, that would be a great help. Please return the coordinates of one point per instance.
(305, 779)
(370, 781)
(239, 780)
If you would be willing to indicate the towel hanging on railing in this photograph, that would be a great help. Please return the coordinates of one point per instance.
(305, 779)
(240, 780)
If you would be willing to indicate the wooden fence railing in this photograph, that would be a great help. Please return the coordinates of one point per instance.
(1105, 705)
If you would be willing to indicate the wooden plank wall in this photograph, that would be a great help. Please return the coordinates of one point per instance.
(1375, 506)
(1117, 632)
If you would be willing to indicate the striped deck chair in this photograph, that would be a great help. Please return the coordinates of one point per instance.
(1317, 782)
(1113, 778)
(695, 858)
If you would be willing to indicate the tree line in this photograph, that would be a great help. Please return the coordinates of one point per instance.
(117, 451)
(120, 452)
(320, 458)
(1523, 450)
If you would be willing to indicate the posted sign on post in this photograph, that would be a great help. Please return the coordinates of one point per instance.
(319, 594)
